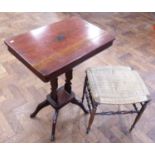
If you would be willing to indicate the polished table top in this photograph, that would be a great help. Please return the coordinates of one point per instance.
(53, 49)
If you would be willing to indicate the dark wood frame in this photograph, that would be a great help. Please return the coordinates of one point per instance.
(92, 106)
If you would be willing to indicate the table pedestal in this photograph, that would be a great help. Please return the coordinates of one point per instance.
(58, 98)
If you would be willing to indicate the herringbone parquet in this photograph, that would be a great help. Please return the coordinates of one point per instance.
(21, 90)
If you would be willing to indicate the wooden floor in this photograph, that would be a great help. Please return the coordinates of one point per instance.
(21, 90)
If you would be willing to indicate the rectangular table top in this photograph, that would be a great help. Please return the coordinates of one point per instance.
(54, 49)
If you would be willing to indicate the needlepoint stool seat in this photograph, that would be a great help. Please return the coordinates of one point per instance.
(115, 85)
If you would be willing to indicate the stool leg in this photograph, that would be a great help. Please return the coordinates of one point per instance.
(94, 107)
(84, 89)
(91, 119)
(88, 100)
(138, 115)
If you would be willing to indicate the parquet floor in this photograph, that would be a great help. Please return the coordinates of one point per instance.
(21, 90)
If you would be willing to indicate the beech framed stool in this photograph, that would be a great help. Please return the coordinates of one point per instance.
(115, 85)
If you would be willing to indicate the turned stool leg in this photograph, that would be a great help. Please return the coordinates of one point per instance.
(84, 89)
(91, 119)
(139, 115)
(94, 107)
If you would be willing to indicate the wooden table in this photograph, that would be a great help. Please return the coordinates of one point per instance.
(52, 50)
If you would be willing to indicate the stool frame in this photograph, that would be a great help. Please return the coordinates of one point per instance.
(92, 106)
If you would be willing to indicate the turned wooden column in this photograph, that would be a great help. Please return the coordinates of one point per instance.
(68, 84)
(54, 87)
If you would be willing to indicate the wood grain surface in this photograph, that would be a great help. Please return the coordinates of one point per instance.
(54, 49)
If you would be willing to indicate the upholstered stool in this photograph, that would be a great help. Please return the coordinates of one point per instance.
(115, 85)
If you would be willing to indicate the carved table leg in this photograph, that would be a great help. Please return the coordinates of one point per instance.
(53, 94)
(55, 116)
(39, 107)
(54, 87)
(68, 88)
(68, 84)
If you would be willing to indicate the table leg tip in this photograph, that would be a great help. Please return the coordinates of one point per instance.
(130, 130)
(32, 115)
(87, 132)
(86, 112)
(52, 138)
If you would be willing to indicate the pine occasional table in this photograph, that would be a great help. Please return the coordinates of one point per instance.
(52, 50)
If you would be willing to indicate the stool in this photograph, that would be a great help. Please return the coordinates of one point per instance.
(115, 85)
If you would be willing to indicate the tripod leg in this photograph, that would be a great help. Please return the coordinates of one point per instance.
(39, 107)
(55, 116)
